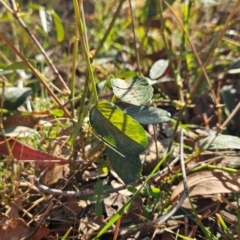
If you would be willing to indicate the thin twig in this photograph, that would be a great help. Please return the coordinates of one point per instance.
(221, 128)
(197, 81)
(165, 217)
(116, 231)
(43, 217)
(116, 14)
(77, 194)
(203, 70)
(35, 72)
(16, 15)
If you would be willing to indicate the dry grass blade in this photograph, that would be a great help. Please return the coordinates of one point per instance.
(35, 72)
(198, 59)
(99, 46)
(16, 15)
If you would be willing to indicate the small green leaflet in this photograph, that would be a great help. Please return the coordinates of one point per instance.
(158, 68)
(148, 115)
(136, 90)
(15, 97)
(220, 142)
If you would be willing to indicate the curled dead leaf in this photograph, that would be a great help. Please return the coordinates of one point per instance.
(207, 183)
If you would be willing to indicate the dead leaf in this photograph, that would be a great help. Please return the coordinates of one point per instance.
(25, 153)
(115, 202)
(14, 208)
(90, 224)
(52, 175)
(3, 218)
(42, 232)
(207, 183)
(75, 206)
(15, 229)
(19, 120)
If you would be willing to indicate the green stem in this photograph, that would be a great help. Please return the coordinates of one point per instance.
(83, 39)
(115, 16)
(175, 131)
(168, 51)
(73, 78)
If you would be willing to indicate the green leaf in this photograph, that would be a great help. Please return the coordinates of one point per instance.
(20, 65)
(127, 74)
(118, 129)
(136, 90)
(35, 6)
(99, 188)
(158, 68)
(128, 166)
(148, 115)
(220, 142)
(5, 111)
(229, 98)
(14, 97)
(98, 208)
(57, 112)
(46, 20)
(59, 26)
(126, 206)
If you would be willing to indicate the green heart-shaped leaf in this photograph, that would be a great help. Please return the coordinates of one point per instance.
(118, 129)
(128, 166)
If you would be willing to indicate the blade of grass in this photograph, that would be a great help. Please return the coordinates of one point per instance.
(135, 39)
(17, 16)
(224, 226)
(67, 233)
(115, 16)
(83, 39)
(195, 53)
(220, 36)
(74, 66)
(35, 72)
(168, 50)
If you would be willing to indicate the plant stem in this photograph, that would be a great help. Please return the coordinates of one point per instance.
(196, 55)
(115, 16)
(56, 72)
(83, 39)
(168, 51)
(38, 75)
(74, 64)
(135, 39)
